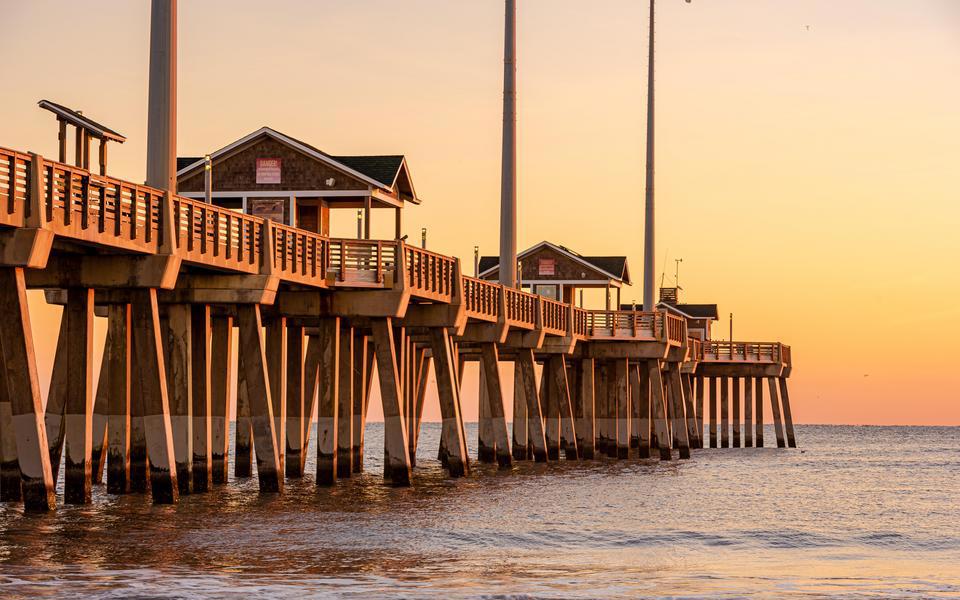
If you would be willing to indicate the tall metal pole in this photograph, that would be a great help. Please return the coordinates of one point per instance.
(508, 172)
(649, 246)
(162, 109)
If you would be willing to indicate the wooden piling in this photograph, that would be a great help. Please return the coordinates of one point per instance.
(520, 438)
(9, 464)
(178, 359)
(686, 382)
(713, 412)
(328, 394)
(98, 451)
(604, 378)
(621, 399)
(584, 408)
(345, 403)
(759, 406)
(200, 377)
(311, 370)
(775, 410)
(562, 385)
(658, 405)
(396, 460)
(139, 464)
(735, 382)
(698, 394)
(78, 408)
(787, 415)
(221, 362)
(724, 412)
(258, 389)
(486, 446)
(457, 461)
(276, 354)
(748, 412)
(643, 397)
(243, 430)
(150, 380)
(550, 403)
(360, 375)
(293, 431)
(680, 432)
(490, 375)
(54, 424)
(426, 363)
(537, 438)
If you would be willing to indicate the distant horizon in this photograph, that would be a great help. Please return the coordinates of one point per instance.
(807, 152)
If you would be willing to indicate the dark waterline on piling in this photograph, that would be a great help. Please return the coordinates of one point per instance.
(862, 512)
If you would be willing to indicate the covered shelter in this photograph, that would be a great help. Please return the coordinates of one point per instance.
(557, 272)
(699, 317)
(273, 175)
(86, 128)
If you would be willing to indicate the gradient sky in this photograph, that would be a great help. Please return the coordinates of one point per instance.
(808, 165)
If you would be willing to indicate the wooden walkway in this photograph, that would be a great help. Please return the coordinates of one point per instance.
(174, 276)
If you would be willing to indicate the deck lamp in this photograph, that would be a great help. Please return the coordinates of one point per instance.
(359, 224)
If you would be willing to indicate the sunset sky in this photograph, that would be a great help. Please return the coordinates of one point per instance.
(808, 158)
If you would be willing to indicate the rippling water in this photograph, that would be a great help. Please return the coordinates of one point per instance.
(857, 512)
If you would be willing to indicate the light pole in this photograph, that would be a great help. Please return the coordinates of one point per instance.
(476, 261)
(508, 168)
(649, 241)
(162, 100)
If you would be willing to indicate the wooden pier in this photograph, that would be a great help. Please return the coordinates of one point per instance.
(317, 318)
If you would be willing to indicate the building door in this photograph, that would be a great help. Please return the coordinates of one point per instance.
(308, 217)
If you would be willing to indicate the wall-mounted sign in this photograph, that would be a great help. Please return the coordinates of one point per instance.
(547, 266)
(268, 208)
(268, 170)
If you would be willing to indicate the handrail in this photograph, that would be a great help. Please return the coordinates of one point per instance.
(429, 275)
(579, 323)
(724, 351)
(360, 263)
(299, 255)
(555, 316)
(521, 308)
(482, 298)
(209, 234)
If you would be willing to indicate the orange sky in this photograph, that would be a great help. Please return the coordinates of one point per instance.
(807, 177)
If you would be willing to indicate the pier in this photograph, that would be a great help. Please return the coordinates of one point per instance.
(317, 317)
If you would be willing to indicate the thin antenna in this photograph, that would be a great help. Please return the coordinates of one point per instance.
(676, 274)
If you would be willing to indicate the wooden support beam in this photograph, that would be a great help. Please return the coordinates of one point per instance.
(221, 362)
(699, 382)
(534, 415)
(345, 403)
(735, 382)
(62, 139)
(9, 463)
(486, 446)
(276, 354)
(328, 342)
(644, 410)
(775, 409)
(724, 412)
(200, 378)
(243, 429)
(448, 388)
(426, 363)
(178, 360)
(693, 434)
(583, 408)
(311, 370)
(658, 405)
(633, 385)
(139, 467)
(713, 412)
(100, 417)
(257, 382)
(520, 447)
(568, 428)
(54, 424)
(396, 461)
(150, 382)
(490, 376)
(103, 157)
(117, 356)
(603, 408)
(787, 415)
(550, 401)
(748, 412)
(759, 406)
(678, 401)
(78, 409)
(296, 409)
(360, 375)
(621, 398)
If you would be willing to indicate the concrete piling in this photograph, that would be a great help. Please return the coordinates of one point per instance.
(200, 369)
(221, 363)
(78, 408)
(396, 461)
(735, 382)
(345, 403)
(293, 449)
(327, 400)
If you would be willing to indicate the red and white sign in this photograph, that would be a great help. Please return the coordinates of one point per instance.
(268, 170)
(547, 266)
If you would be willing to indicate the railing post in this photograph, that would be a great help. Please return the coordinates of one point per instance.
(32, 217)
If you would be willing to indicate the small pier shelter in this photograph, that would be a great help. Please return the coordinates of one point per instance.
(699, 317)
(273, 175)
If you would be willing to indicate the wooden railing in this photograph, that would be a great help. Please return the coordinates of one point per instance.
(694, 349)
(754, 352)
(430, 275)
(580, 323)
(622, 324)
(482, 299)
(676, 328)
(521, 308)
(360, 263)
(14, 186)
(213, 236)
(555, 315)
(299, 256)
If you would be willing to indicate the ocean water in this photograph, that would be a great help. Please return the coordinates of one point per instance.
(856, 512)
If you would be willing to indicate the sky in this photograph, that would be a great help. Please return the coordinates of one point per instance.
(808, 153)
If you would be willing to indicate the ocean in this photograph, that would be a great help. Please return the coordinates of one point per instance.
(855, 512)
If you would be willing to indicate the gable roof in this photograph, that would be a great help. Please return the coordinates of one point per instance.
(76, 119)
(691, 311)
(613, 266)
(378, 171)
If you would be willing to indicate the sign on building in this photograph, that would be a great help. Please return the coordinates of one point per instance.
(268, 208)
(547, 266)
(268, 170)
